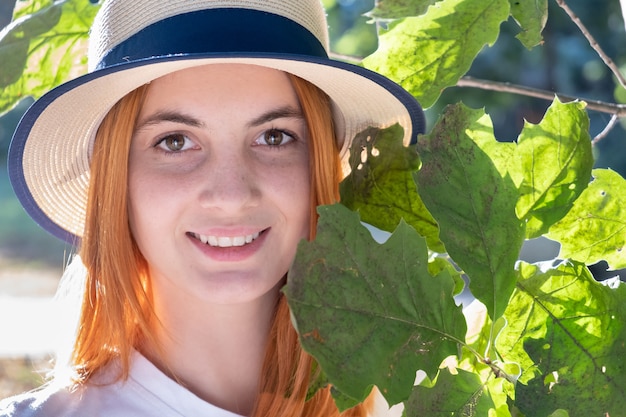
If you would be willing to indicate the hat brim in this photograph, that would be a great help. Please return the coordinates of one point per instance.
(49, 154)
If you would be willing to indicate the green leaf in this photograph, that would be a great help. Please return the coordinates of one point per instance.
(426, 54)
(595, 227)
(532, 18)
(568, 332)
(397, 9)
(42, 50)
(556, 159)
(381, 185)
(27, 7)
(502, 154)
(371, 314)
(463, 394)
(15, 41)
(474, 205)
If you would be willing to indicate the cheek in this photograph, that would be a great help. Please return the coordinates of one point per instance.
(149, 202)
(295, 193)
(137, 206)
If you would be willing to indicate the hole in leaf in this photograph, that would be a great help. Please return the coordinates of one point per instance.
(375, 152)
(364, 155)
(551, 380)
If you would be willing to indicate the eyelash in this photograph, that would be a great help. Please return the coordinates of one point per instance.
(157, 146)
(161, 147)
(263, 135)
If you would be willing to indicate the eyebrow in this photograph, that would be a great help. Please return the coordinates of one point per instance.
(176, 117)
(285, 112)
(169, 116)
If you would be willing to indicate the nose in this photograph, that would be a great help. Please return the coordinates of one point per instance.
(228, 182)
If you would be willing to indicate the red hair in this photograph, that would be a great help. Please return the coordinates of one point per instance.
(117, 308)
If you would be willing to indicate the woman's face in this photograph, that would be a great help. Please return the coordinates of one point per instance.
(219, 182)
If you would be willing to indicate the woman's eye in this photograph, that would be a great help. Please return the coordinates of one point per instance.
(274, 137)
(175, 143)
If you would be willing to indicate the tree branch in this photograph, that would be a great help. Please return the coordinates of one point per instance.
(619, 110)
(606, 130)
(605, 58)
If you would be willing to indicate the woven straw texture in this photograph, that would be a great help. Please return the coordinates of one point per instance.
(133, 15)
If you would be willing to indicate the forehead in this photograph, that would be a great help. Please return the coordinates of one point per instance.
(242, 79)
(220, 92)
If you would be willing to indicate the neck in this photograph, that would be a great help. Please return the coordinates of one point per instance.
(215, 351)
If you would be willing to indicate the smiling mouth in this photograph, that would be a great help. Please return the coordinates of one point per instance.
(226, 241)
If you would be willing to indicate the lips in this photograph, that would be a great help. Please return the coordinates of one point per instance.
(226, 241)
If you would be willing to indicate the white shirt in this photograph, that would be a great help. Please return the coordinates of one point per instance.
(147, 392)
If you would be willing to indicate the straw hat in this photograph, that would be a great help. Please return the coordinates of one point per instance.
(135, 41)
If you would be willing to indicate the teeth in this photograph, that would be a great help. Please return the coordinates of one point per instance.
(226, 242)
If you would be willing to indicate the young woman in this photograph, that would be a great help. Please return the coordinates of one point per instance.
(186, 166)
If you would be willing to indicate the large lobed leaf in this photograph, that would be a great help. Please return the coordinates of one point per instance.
(556, 162)
(474, 205)
(371, 314)
(381, 186)
(568, 333)
(595, 227)
(530, 16)
(428, 53)
(44, 49)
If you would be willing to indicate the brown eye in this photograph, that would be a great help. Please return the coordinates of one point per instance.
(274, 137)
(174, 143)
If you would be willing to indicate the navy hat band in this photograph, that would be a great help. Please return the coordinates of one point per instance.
(219, 31)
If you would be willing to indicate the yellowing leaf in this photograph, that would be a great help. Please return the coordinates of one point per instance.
(437, 48)
(595, 228)
(44, 49)
(532, 18)
(556, 161)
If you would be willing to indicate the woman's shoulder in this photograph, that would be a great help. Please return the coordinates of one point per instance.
(146, 392)
(93, 399)
(46, 401)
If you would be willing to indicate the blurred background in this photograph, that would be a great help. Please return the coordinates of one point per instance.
(31, 261)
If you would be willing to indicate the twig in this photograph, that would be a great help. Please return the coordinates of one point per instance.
(607, 60)
(619, 110)
(609, 126)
